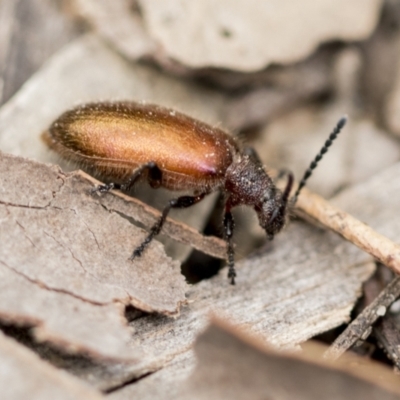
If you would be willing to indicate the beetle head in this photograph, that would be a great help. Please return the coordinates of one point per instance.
(273, 211)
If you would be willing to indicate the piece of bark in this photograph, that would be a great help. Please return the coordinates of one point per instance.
(79, 232)
(263, 372)
(23, 375)
(59, 243)
(248, 36)
(230, 363)
(162, 384)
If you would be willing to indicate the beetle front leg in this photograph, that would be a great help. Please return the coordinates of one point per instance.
(229, 225)
(180, 202)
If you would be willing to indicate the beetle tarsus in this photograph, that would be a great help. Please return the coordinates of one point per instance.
(138, 252)
(232, 274)
(105, 188)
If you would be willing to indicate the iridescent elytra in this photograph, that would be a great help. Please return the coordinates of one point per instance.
(127, 141)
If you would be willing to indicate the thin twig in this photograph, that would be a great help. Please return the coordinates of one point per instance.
(355, 231)
(363, 322)
(387, 331)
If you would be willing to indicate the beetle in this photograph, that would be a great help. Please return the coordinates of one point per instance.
(127, 141)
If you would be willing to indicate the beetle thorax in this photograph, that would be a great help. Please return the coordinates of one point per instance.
(247, 183)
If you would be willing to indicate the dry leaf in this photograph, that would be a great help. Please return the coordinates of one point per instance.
(250, 35)
(119, 23)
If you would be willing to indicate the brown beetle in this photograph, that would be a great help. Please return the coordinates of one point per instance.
(127, 141)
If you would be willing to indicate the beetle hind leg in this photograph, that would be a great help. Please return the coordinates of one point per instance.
(154, 178)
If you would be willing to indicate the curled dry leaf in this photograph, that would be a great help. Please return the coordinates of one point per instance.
(24, 375)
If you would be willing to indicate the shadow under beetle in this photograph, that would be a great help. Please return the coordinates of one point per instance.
(128, 141)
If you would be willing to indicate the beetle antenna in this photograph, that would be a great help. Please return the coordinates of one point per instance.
(286, 192)
(339, 126)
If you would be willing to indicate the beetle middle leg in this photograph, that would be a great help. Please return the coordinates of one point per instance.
(154, 178)
(180, 202)
(229, 225)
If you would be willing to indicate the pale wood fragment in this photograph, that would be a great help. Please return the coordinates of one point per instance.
(23, 375)
(244, 35)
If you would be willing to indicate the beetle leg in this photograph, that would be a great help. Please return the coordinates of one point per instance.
(229, 225)
(281, 173)
(154, 178)
(180, 202)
